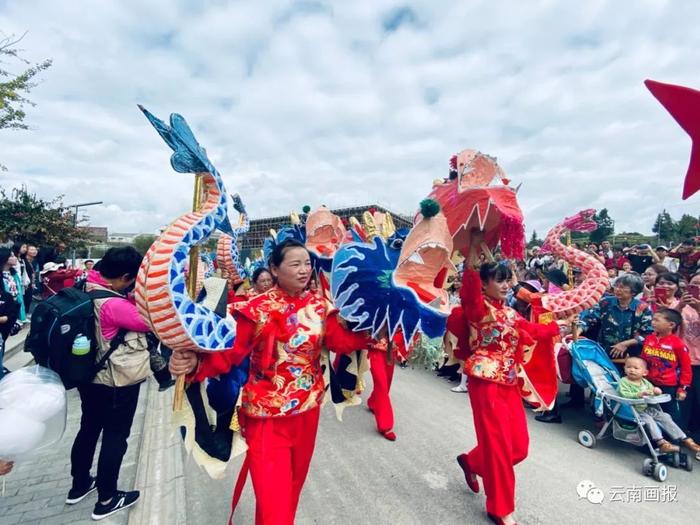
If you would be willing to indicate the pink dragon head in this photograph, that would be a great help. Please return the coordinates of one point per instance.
(583, 221)
(472, 198)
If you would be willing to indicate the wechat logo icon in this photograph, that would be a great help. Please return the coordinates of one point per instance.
(586, 489)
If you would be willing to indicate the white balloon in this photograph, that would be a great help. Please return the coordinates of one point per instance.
(39, 401)
(19, 433)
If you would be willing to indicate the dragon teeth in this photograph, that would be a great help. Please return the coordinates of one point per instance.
(416, 258)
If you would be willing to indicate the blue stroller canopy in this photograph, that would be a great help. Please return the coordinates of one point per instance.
(592, 367)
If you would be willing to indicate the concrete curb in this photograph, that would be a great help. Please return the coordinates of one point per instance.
(15, 356)
(160, 475)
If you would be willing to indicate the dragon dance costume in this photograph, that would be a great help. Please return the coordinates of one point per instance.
(382, 358)
(493, 341)
(284, 336)
(381, 285)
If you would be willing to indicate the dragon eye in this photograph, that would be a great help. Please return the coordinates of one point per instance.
(396, 244)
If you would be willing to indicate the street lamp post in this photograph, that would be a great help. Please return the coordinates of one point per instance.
(614, 233)
(75, 217)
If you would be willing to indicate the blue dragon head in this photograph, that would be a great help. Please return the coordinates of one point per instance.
(396, 283)
(367, 294)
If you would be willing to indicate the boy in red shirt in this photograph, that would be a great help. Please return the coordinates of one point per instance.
(668, 359)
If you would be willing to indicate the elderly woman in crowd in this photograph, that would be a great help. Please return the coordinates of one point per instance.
(622, 321)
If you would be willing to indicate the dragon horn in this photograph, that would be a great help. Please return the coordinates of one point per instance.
(357, 227)
(388, 228)
(273, 233)
(294, 217)
(370, 226)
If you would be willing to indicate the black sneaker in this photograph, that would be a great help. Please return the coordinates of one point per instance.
(121, 500)
(76, 495)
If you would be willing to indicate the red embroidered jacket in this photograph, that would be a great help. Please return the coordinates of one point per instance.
(493, 337)
(668, 360)
(285, 336)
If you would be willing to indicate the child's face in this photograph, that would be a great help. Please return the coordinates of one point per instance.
(661, 325)
(626, 267)
(635, 368)
(612, 272)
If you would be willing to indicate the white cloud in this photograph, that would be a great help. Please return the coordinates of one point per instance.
(312, 102)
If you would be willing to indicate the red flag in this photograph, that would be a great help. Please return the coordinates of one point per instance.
(684, 105)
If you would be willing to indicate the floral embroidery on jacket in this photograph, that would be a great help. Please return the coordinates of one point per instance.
(293, 381)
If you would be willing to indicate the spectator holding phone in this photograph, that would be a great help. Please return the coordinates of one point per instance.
(649, 277)
(666, 291)
(641, 257)
(689, 307)
(670, 263)
(688, 256)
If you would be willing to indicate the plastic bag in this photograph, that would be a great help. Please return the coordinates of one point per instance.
(32, 411)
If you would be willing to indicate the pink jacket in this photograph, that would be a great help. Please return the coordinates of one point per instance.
(117, 313)
(691, 333)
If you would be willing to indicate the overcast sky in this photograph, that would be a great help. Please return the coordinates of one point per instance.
(355, 102)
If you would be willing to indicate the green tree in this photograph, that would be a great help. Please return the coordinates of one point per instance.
(15, 87)
(534, 240)
(664, 227)
(686, 227)
(143, 242)
(606, 227)
(98, 252)
(26, 218)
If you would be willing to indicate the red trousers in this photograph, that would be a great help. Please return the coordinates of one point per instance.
(502, 441)
(379, 401)
(279, 454)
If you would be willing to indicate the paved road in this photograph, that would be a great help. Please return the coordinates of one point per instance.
(36, 489)
(357, 477)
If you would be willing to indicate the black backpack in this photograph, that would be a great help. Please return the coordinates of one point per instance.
(56, 322)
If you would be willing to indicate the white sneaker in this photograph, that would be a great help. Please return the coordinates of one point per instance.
(459, 389)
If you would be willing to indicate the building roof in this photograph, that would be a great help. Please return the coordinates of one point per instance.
(260, 228)
(96, 233)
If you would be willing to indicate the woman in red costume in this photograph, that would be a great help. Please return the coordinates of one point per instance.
(382, 358)
(497, 337)
(283, 330)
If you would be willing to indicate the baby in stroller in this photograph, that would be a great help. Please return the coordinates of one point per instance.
(592, 367)
(635, 386)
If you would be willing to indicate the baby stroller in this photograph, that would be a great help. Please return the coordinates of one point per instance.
(592, 367)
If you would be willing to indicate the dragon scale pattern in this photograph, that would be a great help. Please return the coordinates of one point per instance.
(591, 290)
(161, 288)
